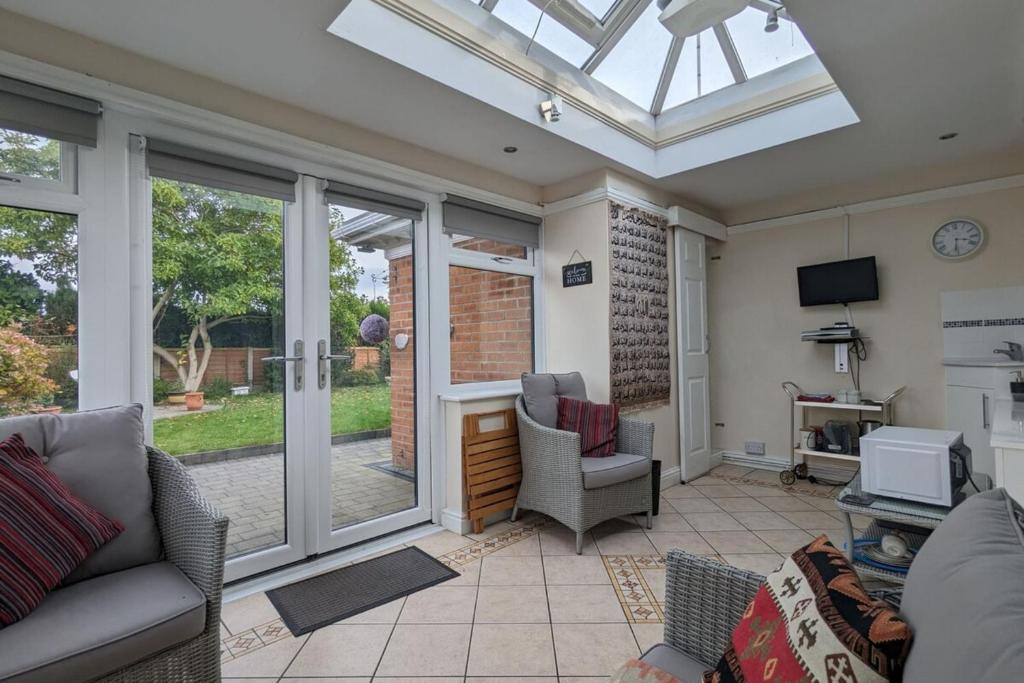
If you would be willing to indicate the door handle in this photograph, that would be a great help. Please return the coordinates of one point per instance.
(299, 359)
(984, 412)
(323, 358)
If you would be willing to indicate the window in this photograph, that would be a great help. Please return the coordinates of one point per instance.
(491, 316)
(491, 309)
(38, 311)
(36, 159)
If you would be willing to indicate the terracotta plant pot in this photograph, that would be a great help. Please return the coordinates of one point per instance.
(176, 398)
(194, 400)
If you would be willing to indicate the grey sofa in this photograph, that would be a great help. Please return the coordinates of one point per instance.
(146, 606)
(579, 492)
(964, 599)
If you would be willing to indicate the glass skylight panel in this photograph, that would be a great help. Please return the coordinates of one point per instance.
(633, 68)
(522, 15)
(761, 52)
(702, 69)
(598, 8)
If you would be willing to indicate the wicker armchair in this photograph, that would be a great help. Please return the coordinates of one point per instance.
(704, 600)
(194, 537)
(553, 479)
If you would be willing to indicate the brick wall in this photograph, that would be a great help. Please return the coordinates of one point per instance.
(492, 340)
(492, 320)
(403, 408)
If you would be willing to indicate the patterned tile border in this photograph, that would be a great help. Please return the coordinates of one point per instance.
(638, 601)
(809, 490)
(254, 639)
(529, 526)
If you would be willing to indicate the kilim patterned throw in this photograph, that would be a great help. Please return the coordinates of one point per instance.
(813, 621)
(491, 466)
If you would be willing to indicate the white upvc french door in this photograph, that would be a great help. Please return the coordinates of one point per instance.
(366, 483)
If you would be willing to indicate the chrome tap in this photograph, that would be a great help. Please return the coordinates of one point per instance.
(1014, 351)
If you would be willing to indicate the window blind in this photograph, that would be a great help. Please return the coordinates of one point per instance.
(201, 167)
(37, 110)
(371, 200)
(469, 217)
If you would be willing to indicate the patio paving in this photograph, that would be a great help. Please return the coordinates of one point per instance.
(251, 492)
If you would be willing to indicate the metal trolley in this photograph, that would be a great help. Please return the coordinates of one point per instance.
(798, 470)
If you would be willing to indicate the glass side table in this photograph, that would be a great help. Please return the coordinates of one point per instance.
(918, 515)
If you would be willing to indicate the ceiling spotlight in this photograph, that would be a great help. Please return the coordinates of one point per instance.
(510, 149)
(948, 136)
(771, 24)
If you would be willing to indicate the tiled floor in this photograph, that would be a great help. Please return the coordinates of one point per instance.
(526, 607)
(251, 492)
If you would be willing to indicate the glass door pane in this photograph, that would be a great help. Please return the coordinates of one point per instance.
(38, 311)
(220, 384)
(372, 370)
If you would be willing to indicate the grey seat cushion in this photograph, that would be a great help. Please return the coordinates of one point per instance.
(679, 664)
(97, 626)
(601, 472)
(541, 392)
(964, 596)
(100, 455)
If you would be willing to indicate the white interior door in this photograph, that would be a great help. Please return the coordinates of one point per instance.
(692, 340)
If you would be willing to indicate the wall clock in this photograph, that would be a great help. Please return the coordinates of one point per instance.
(957, 239)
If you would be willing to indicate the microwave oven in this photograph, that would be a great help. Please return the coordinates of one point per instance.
(922, 465)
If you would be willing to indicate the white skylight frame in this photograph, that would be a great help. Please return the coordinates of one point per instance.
(461, 45)
(605, 33)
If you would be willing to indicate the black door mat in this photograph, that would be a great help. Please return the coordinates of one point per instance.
(307, 605)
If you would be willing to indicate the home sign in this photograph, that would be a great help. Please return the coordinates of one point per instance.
(576, 274)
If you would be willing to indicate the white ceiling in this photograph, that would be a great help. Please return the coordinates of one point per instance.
(912, 70)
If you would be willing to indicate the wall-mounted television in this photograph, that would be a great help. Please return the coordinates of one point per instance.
(838, 282)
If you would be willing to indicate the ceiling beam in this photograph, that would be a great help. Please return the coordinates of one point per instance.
(729, 50)
(668, 70)
(620, 20)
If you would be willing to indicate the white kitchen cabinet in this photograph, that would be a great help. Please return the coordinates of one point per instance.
(972, 391)
(1008, 444)
(969, 410)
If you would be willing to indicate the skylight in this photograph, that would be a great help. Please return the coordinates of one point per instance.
(622, 44)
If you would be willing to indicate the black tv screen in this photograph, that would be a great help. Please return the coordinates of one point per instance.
(838, 282)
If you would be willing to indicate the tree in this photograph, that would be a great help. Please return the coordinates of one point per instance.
(30, 155)
(217, 257)
(21, 298)
(22, 371)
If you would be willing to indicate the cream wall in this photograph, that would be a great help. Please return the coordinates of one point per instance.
(46, 43)
(755, 318)
(576, 318)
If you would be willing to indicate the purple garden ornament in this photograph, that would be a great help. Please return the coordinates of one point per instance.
(373, 329)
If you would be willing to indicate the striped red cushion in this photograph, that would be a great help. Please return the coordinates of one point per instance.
(596, 423)
(45, 532)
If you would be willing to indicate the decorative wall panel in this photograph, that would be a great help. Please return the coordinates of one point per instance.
(639, 308)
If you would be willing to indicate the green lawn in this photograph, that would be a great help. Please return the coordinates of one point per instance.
(257, 419)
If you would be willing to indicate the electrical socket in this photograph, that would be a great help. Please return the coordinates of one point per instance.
(842, 358)
(754, 447)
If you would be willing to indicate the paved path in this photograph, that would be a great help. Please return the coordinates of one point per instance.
(251, 492)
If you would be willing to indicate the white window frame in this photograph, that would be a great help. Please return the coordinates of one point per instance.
(68, 182)
(479, 260)
(88, 182)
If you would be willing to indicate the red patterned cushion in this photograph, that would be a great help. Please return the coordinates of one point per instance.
(596, 423)
(45, 532)
(813, 622)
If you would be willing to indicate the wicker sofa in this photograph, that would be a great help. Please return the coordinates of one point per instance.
(146, 606)
(581, 492)
(964, 600)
